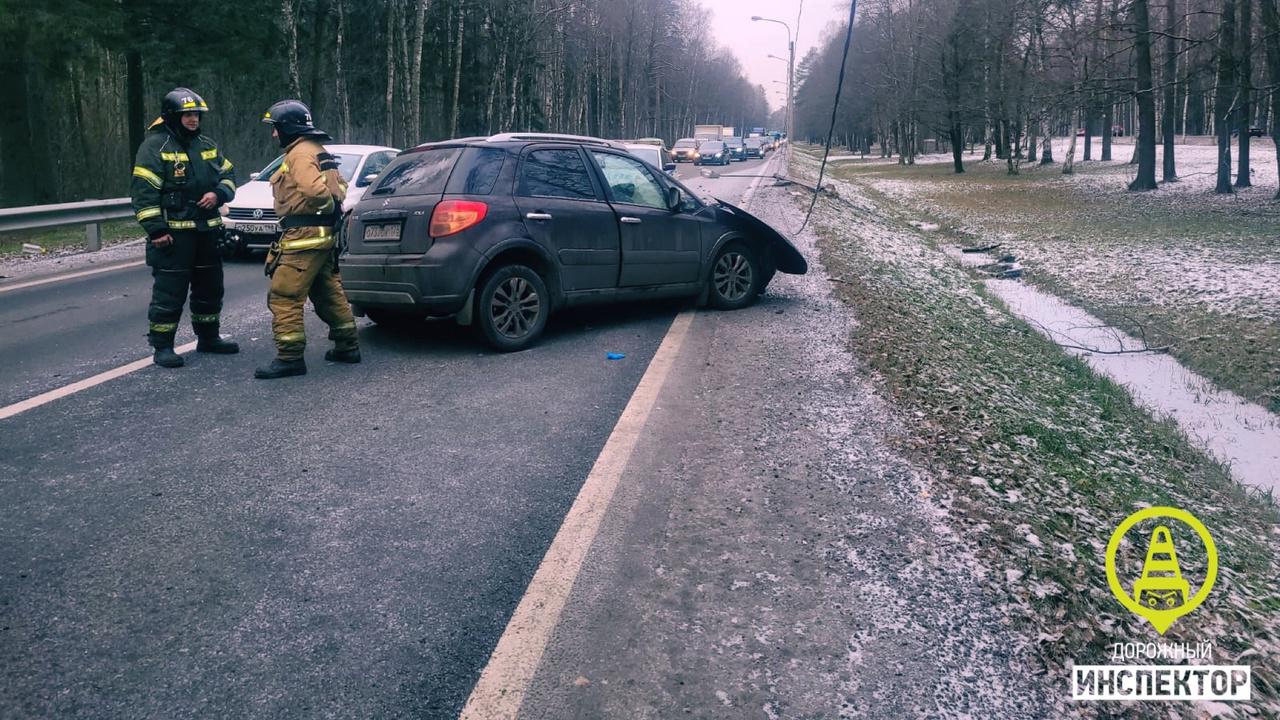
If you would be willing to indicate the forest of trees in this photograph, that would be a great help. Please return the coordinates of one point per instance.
(82, 78)
(1018, 78)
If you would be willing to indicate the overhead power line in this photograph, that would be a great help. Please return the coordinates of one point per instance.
(835, 106)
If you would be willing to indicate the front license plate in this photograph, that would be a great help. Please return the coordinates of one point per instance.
(387, 231)
(258, 228)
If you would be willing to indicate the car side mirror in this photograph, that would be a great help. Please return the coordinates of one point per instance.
(367, 180)
(674, 198)
(669, 167)
(254, 175)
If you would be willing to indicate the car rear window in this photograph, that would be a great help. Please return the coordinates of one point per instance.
(418, 173)
(477, 172)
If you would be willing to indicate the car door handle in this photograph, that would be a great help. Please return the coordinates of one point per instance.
(631, 220)
(537, 216)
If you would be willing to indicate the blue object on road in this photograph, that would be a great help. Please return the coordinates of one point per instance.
(615, 356)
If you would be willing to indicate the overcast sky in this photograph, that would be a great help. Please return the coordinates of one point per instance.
(752, 42)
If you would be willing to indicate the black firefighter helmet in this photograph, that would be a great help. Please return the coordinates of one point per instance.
(292, 119)
(182, 100)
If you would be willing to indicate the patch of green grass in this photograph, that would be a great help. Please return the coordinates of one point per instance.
(52, 239)
(1048, 221)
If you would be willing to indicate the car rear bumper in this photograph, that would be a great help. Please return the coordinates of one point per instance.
(403, 282)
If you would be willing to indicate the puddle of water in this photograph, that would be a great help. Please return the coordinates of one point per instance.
(1242, 434)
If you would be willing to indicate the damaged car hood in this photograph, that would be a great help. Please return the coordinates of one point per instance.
(789, 258)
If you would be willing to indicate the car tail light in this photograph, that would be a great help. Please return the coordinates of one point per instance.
(454, 216)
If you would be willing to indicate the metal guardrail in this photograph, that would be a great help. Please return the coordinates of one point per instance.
(90, 213)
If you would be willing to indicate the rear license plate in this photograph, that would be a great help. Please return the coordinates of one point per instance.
(385, 231)
(258, 228)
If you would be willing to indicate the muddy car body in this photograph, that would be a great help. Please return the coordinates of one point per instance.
(499, 232)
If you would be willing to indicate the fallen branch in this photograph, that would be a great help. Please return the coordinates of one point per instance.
(980, 249)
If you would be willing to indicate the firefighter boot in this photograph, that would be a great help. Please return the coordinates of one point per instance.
(164, 355)
(211, 342)
(281, 368)
(350, 357)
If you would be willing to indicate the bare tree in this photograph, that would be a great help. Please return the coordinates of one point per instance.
(1170, 78)
(1244, 111)
(1146, 149)
(1224, 101)
(1271, 35)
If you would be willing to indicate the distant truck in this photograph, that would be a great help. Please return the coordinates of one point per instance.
(728, 131)
(708, 132)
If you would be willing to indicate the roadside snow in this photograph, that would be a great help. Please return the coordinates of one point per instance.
(1240, 434)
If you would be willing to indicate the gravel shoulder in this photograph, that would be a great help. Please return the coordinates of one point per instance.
(30, 267)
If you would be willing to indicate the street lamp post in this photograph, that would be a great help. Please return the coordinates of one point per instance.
(791, 74)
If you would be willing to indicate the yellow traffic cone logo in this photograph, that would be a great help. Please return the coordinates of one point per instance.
(1161, 586)
(1161, 594)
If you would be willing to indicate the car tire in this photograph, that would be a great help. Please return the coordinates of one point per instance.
(735, 277)
(512, 308)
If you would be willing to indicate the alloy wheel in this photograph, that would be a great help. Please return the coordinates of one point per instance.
(515, 307)
(733, 276)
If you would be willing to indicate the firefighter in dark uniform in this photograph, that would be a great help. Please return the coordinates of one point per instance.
(180, 179)
(308, 192)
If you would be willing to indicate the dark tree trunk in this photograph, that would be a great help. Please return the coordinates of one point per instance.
(135, 91)
(956, 139)
(1046, 151)
(319, 41)
(1245, 106)
(1170, 77)
(1107, 119)
(1271, 32)
(1226, 94)
(1088, 132)
(1146, 150)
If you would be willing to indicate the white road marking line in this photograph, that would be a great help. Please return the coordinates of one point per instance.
(75, 387)
(755, 185)
(505, 679)
(69, 276)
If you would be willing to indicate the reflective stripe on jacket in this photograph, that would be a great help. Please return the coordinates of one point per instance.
(171, 174)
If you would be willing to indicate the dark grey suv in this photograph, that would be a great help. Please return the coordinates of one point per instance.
(500, 232)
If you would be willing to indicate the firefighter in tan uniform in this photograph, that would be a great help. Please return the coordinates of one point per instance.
(308, 192)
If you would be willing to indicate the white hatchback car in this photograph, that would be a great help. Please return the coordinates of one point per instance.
(250, 218)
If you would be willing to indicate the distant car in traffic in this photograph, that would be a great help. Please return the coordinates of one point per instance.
(655, 155)
(501, 232)
(737, 151)
(754, 147)
(685, 150)
(250, 219)
(713, 152)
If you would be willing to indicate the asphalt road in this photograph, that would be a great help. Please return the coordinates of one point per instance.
(193, 543)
